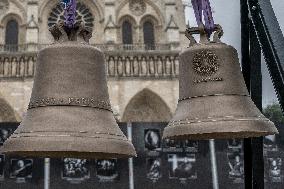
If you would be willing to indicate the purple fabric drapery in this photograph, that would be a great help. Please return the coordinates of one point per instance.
(202, 9)
(69, 12)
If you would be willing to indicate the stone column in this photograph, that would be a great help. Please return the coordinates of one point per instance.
(110, 22)
(32, 33)
(172, 28)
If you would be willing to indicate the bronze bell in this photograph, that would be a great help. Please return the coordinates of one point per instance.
(214, 101)
(69, 114)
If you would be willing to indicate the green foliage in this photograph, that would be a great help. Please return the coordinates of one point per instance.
(274, 113)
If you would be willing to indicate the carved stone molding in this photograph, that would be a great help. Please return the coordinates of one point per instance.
(137, 7)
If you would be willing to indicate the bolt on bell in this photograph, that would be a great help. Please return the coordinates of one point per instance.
(214, 102)
(69, 114)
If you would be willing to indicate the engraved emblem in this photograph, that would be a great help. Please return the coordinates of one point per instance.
(205, 63)
(83, 102)
(137, 7)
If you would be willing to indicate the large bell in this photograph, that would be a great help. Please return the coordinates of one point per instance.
(69, 114)
(214, 101)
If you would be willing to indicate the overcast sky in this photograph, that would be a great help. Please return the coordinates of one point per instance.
(227, 13)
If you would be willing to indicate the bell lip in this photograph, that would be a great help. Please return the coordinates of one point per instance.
(220, 136)
(69, 154)
(75, 148)
(48, 131)
(237, 129)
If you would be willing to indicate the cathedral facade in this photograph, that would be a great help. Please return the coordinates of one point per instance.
(141, 40)
(107, 18)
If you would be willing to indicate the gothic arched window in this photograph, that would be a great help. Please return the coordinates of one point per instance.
(83, 14)
(12, 35)
(149, 34)
(127, 36)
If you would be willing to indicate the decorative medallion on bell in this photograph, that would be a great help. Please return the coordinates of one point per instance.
(205, 63)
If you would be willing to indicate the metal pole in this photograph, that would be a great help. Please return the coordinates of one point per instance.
(130, 160)
(256, 95)
(246, 69)
(213, 164)
(46, 173)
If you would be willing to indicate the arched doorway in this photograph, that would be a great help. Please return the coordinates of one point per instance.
(146, 106)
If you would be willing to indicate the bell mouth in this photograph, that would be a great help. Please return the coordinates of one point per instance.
(78, 155)
(221, 130)
(69, 147)
(218, 117)
(62, 131)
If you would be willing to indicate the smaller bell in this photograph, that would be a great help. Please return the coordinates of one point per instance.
(69, 114)
(214, 101)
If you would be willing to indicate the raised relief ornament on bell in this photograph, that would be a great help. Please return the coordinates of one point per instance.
(214, 101)
(69, 114)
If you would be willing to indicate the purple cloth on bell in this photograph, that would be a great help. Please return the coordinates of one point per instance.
(70, 13)
(202, 9)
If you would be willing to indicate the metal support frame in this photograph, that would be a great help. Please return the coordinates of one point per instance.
(256, 95)
(271, 40)
(260, 30)
(245, 35)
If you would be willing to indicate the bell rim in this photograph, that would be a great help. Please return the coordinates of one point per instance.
(70, 154)
(221, 130)
(48, 147)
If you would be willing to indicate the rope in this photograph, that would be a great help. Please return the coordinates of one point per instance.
(202, 7)
(69, 12)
